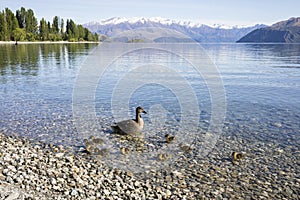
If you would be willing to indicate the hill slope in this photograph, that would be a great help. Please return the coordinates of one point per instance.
(284, 32)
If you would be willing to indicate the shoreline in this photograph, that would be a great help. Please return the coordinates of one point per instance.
(39, 171)
(48, 42)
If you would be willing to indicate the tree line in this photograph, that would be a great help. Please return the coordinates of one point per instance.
(24, 26)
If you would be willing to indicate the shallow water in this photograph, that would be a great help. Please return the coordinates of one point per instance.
(261, 83)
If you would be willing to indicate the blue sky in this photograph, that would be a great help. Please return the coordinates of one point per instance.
(230, 12)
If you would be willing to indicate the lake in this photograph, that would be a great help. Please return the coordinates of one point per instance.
(261, 85)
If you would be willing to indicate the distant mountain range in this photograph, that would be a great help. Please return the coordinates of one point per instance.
(115, 27)
(285, 32)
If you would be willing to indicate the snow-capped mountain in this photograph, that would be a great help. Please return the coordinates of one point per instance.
(197, 31)
(142, 20)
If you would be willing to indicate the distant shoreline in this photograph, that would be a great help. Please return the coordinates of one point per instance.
(46, 42)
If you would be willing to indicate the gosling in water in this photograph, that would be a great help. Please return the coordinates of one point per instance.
(169, 138)
(124, 150)
(236, 156)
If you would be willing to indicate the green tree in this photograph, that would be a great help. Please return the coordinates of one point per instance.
(13, 27)
(81, 32)
(27, 20)
(96, 37)
(72, 30)
(88, 36)
(3, 28)
(12, 23)
(19, 34)
(62, 26)
(31, 36)
(31, 23)
(68, 31)
(21, 15)
(55, 25)
(44, 31)
(49, 27)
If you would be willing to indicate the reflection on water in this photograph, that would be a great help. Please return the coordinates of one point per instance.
(262, 84)
(36, 86)
(29, 59)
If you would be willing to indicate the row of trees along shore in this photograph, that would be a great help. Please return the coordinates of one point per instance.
(24, 26)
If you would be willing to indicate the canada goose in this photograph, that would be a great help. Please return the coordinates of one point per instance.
(131, 126)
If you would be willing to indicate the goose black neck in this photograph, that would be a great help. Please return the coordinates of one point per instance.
(137, 116)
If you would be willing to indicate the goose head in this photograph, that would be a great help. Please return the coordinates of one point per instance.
(140, 110)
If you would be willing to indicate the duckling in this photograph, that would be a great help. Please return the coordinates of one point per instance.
(236, 156)
(90, 149)
(91, 138)
(97, 151)
(169, 138)
(101, 152)
(185, 148)
(88, 146)
(162, 156)
(95, 140)
(98, 140)
(124, 150)
(86, 142)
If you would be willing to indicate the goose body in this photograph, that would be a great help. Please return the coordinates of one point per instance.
(131, 126)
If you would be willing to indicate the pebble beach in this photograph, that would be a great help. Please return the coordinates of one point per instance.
(35, 170)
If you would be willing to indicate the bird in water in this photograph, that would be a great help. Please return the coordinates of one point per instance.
(169, 138)
(185, 148)
(101, 152)
(162, 156)
(131, 127)
(236, 156)
(96, 140)
(124, 150)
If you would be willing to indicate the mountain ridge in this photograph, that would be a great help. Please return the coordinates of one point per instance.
(191, 24)
(287, 31)
(196, 31)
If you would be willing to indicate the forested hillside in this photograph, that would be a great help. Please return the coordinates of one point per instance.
(24, 26)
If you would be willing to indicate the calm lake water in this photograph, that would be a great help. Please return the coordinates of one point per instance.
(261, 84)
